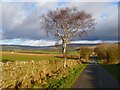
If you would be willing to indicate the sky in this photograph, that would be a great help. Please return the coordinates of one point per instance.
(20, 21)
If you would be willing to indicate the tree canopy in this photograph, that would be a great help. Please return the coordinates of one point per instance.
(66, 23)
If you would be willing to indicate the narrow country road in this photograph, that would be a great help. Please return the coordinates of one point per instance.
(95, 76)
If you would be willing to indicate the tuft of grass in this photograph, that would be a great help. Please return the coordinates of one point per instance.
(6, 60)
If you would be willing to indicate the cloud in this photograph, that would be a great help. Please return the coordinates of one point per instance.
(0, 20)
(48, 42)
(20, 22)
(27, 42)
(39, 43)
(60, 0)
(107, 21)
(92, 42)
(21, 19)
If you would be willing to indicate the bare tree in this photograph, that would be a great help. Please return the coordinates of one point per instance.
(66, 23)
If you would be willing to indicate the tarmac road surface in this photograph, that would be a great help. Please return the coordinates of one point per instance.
(95, 76)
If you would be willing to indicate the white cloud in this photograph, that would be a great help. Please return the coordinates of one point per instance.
(60, 0)
(19, 22)
(48, 42)
(92, 42)
(27, 42)
(0, 20)
(86, 42)
(12, 14)
(38, 43)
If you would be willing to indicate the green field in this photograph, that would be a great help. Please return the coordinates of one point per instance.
(39, 51)
(24, 57)
(28, 56)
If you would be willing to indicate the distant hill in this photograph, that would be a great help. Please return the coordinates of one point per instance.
(24, 47)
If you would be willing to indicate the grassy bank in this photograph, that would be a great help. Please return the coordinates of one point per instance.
(66, 81)
(113, 69)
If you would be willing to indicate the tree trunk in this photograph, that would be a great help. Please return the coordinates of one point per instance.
(64, 53)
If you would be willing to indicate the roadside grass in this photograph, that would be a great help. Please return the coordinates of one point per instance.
(66, 81)
(113, 69)
(73, 75)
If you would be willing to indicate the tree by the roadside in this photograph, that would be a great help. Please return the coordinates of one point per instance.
(113, 54)
(66, 23)
(85, 52)
(108, 53)
(101, 51)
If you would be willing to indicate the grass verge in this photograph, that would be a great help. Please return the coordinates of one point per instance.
(67, 81)
(113, 69)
